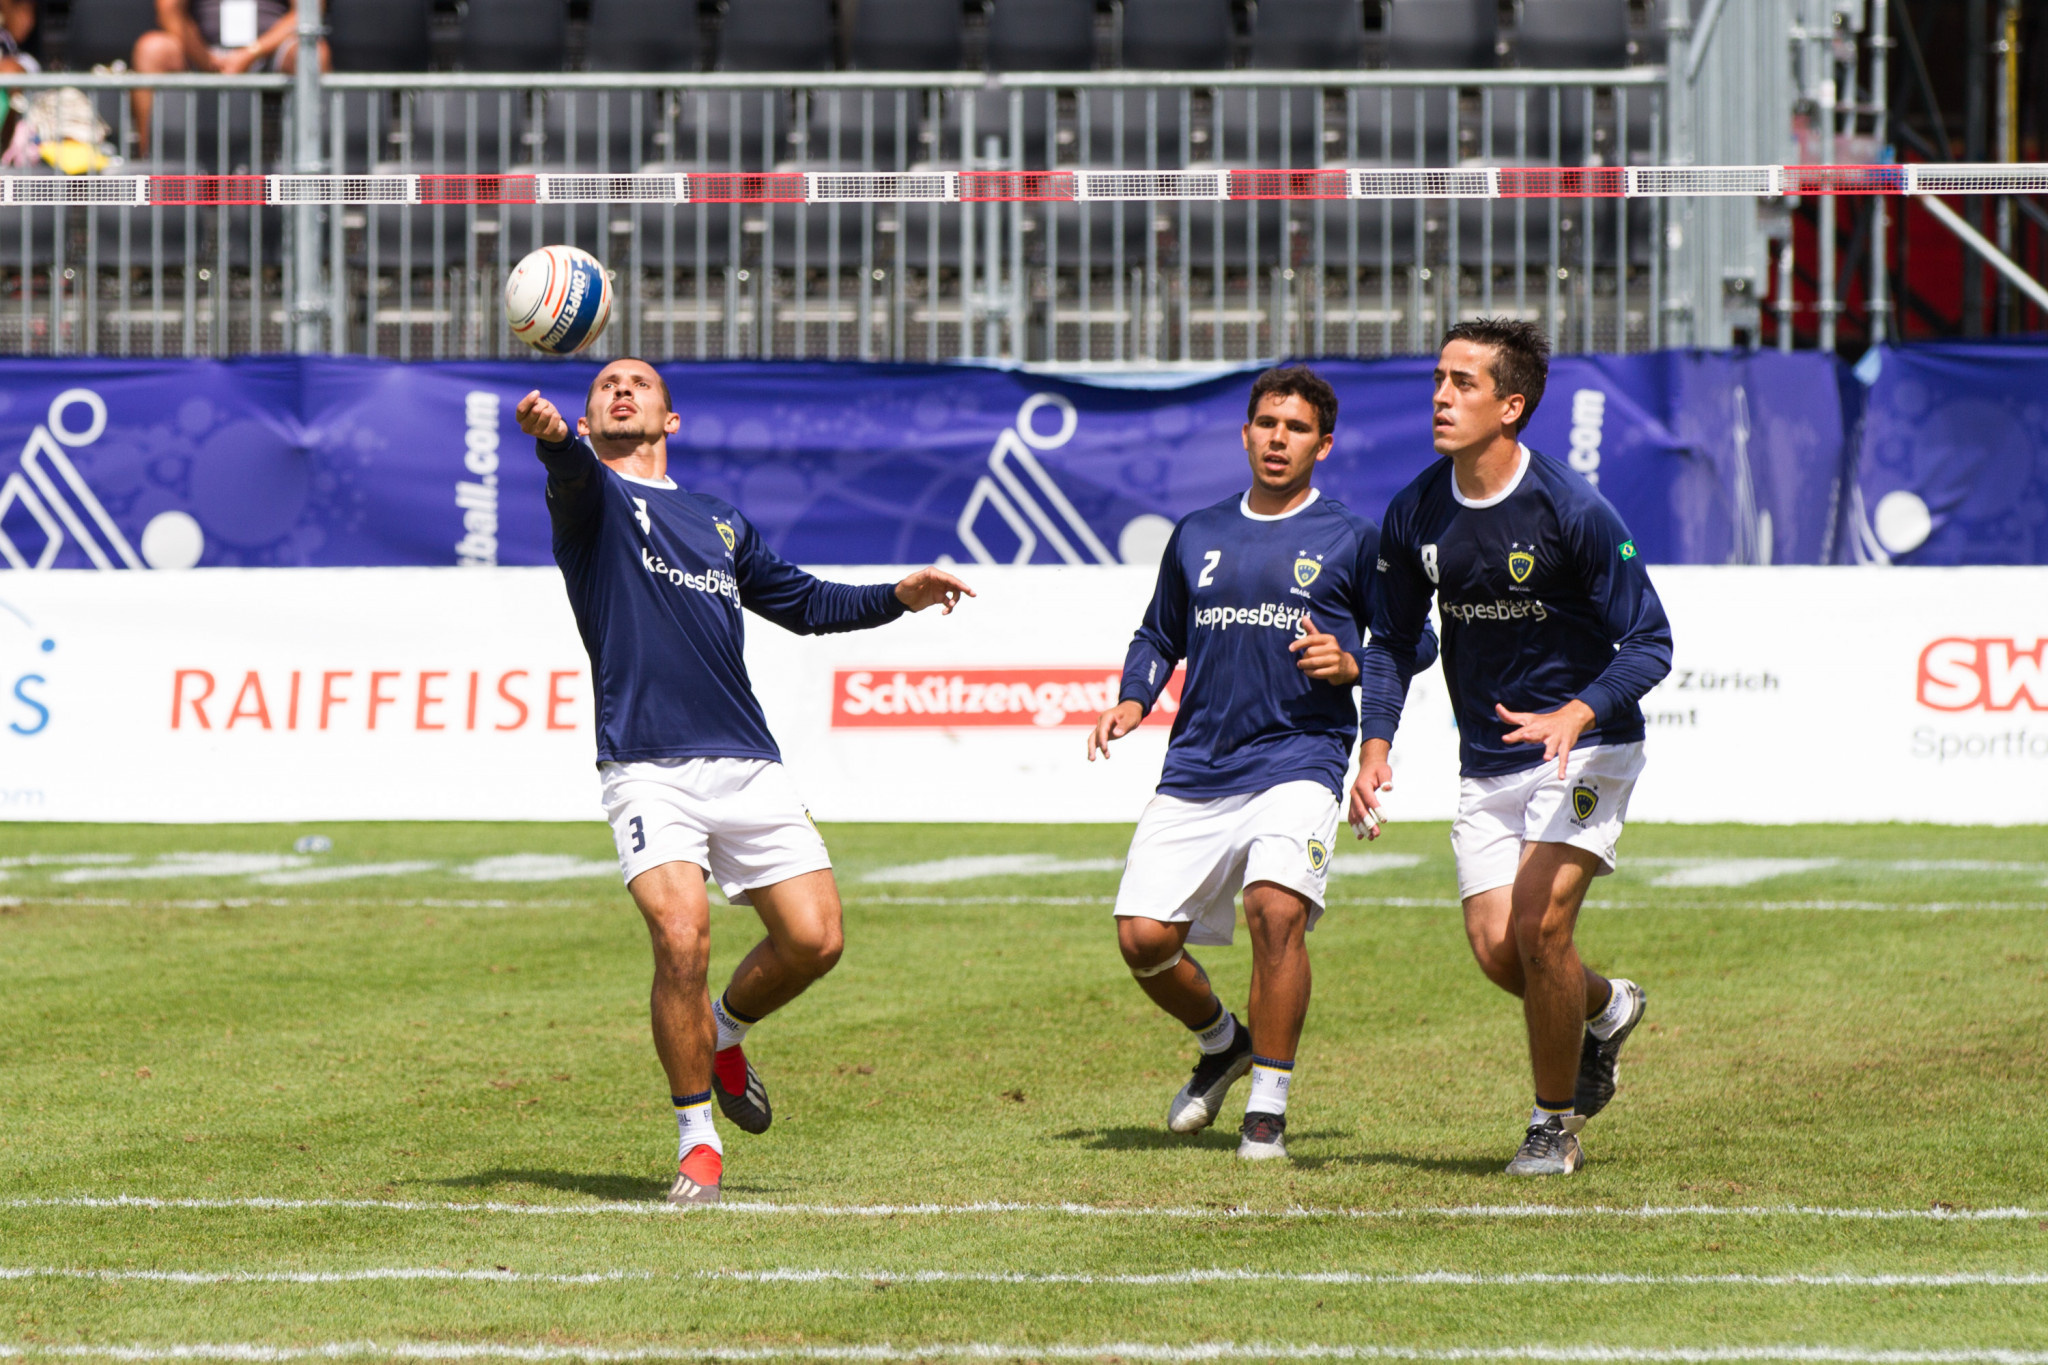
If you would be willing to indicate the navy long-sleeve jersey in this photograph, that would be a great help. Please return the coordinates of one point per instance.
(657, 576)
(1233, 593)
(1542, 597)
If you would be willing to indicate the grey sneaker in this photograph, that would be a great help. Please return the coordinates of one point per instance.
(1599, 1060)
(1263, 1137)
(697, 1179)
(1547, 1149)
(1201, 1099)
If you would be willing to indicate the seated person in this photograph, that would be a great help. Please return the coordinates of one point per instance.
(228, 36)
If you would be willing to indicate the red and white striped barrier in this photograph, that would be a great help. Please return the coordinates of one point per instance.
(1022, 187)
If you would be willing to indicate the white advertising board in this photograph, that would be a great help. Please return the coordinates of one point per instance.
(1796, 694)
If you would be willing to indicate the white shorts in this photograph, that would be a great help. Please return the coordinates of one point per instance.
(1189, 859)
(1497, 815)
(738, 818)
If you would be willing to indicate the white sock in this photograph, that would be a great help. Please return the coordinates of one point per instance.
(694, 1125)
(1538, 1112)
(1619, 1002)
(1269, 1086)
(1218, 1034)
(731, 1027)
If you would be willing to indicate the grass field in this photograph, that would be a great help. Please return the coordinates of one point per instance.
(397, 1100)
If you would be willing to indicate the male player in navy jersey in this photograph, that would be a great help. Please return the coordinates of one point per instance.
(693, 782)
(1551, 635)
(1267, 596)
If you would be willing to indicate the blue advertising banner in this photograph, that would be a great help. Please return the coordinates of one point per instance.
(319, 461)
(1953, 460)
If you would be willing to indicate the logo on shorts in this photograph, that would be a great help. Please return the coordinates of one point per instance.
(725, 534)
(1305, 571)
(1429, 561)
(1520, 565)
(1318, 856)
(1584, 801)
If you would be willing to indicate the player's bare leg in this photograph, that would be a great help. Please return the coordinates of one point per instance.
(805, 937)
(678, 913)
(1277, 919)
(1156, 953)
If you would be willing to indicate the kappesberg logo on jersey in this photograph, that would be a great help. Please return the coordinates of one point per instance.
(717, 582)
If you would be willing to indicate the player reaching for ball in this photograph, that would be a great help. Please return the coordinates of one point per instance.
(693, 783)
(1552, 634)
(1267, 597)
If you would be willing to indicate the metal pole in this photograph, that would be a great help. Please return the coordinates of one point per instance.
(1880, 63)
(1974, 121)
(1679, 132)
(309, 296)
(2008, 49)
(1820, 34)
(1983, 246)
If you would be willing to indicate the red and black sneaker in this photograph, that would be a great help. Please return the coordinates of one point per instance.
(697, 1177)
(741, 1096)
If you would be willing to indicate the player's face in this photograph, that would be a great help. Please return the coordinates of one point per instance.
(626, 404)
(1469, 413)
(1284, 439)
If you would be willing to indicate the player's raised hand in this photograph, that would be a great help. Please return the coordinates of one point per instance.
(932, 588)
(1375, 775)
(1115, 723)
(538, 417)
(1557, 731)
(1322, 657)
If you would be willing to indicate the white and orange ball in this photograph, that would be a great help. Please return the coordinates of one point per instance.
(558, 299)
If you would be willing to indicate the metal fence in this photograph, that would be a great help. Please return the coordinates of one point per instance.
(1095, 283)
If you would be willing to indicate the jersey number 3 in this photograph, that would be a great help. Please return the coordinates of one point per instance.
(1210, 558)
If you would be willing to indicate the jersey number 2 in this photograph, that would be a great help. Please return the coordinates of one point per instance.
(1210, 558)
(639, 834)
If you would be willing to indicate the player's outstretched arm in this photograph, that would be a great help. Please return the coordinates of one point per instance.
(539, 418)
(1375, 775)
(1115, 723)
(1557, 731)
(932, 588)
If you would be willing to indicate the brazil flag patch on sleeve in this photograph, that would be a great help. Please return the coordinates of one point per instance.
(1628, 549)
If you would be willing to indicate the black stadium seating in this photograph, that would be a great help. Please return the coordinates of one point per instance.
(1177, 35)
(908, 35)
(777, 35)
(1441, 34)
(1572, 33)
(379, 35)
(514, 35)
(104, 31)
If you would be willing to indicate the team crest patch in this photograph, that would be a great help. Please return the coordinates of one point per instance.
(1305, 571)
(725, 534)
(1520, 565)
(1584, 802)
(1318, 856)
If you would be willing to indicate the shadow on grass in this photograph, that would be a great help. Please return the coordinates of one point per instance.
(1464, 1165)
(1160, 1140)
(620, 1187)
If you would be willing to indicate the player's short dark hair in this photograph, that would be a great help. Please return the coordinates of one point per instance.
(1521, 358)
(1297, 381)
(659, 382)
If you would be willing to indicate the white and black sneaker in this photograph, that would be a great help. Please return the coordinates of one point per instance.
(1201, 1099)
(1599, 1059)
(1263, 1137)
(1547, 1149)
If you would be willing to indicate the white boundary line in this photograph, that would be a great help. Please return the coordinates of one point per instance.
(992, 1350)
(1936, 1214)
(1423, 1279)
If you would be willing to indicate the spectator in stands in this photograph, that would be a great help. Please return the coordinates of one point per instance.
(17, 21)
(227, 36)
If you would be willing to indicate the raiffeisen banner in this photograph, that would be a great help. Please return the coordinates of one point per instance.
(290, 462)
(1795, 694)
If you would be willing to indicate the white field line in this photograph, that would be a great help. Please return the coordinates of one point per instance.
(1452, 1278)
(1647, 1211)
(991, 865)
(344, 872)
(1423, 1279)
(493, 1276)
(995, 1350)
(1741, 871)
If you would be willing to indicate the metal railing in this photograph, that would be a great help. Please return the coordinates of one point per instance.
(1139, 282)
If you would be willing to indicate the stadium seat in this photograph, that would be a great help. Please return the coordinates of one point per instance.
(104, 31)
(1456, 35)
(776, 35)
(907, 35)
(379, 35)
(514, 35)
(1263, 128)
(1319, 35)
(1177, 35)
(1572, 33)
(1042, 35)
(643, 35)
